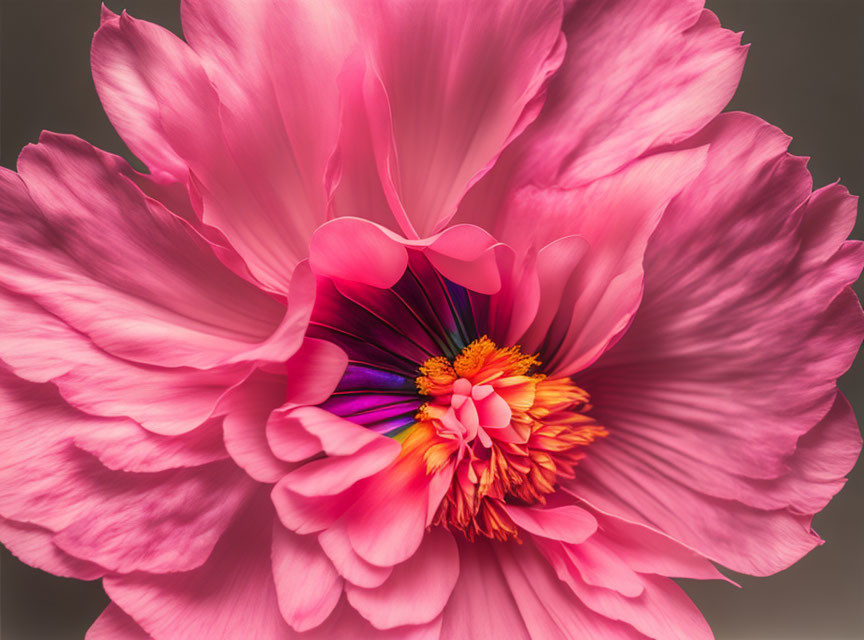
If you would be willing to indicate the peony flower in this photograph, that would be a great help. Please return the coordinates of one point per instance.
(429, 320)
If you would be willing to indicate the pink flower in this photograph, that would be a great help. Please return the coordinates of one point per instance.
(431, 320)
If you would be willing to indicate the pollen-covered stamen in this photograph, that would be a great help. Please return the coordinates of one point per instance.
(508, 434)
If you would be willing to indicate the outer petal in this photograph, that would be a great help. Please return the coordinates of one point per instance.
(122, 445)
(230, 594)
(660, 609)
(600, 293)
(274, 66)
(417, 590)
(89, 246)
(114, 624)
(548, 607)
(638, 74)
(33, 544)
(732, 358)
(130, 104)
(39, 346)
(450, 86)
(118, 520)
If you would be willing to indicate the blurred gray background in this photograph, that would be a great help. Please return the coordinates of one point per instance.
(805, 74)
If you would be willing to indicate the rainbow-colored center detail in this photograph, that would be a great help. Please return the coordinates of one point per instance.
(481, 417)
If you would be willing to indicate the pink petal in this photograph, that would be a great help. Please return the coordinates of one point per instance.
(359, 251)
(660, 610)
(99, 253)
(432, 66)
(122, 445)
(280, 121)
(345, 622)
(305, 515)
(596, 563)
(636, 75)
(732, 359)
(307, 585)
(40, 347)
(290, 427)
(387, 525)
(247, 408)
(169, 522)
(114, 519)
(356, 187)
(334, 474)
(130, 103)
(34, 545)
(115, 624)
(567, 524)
(648, 551)
(482, 606)
(164, 401)
(468, 255)
(417, 590)
(223, 599)
(314, 371)
(616, 216)
(350, 566)
(547, 606)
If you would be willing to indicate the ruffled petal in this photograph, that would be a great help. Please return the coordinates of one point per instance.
(114, 519)
(122, 445)
(247, 408)
(660, 609)
(733, 357)
(638, 74)
(256, 142)
(548, 607)
(87, 245)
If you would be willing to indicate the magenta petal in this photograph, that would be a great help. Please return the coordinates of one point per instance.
(417, 590)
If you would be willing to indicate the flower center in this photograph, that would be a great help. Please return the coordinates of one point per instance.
(509, 434)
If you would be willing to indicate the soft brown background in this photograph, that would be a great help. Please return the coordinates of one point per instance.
(805, 73)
